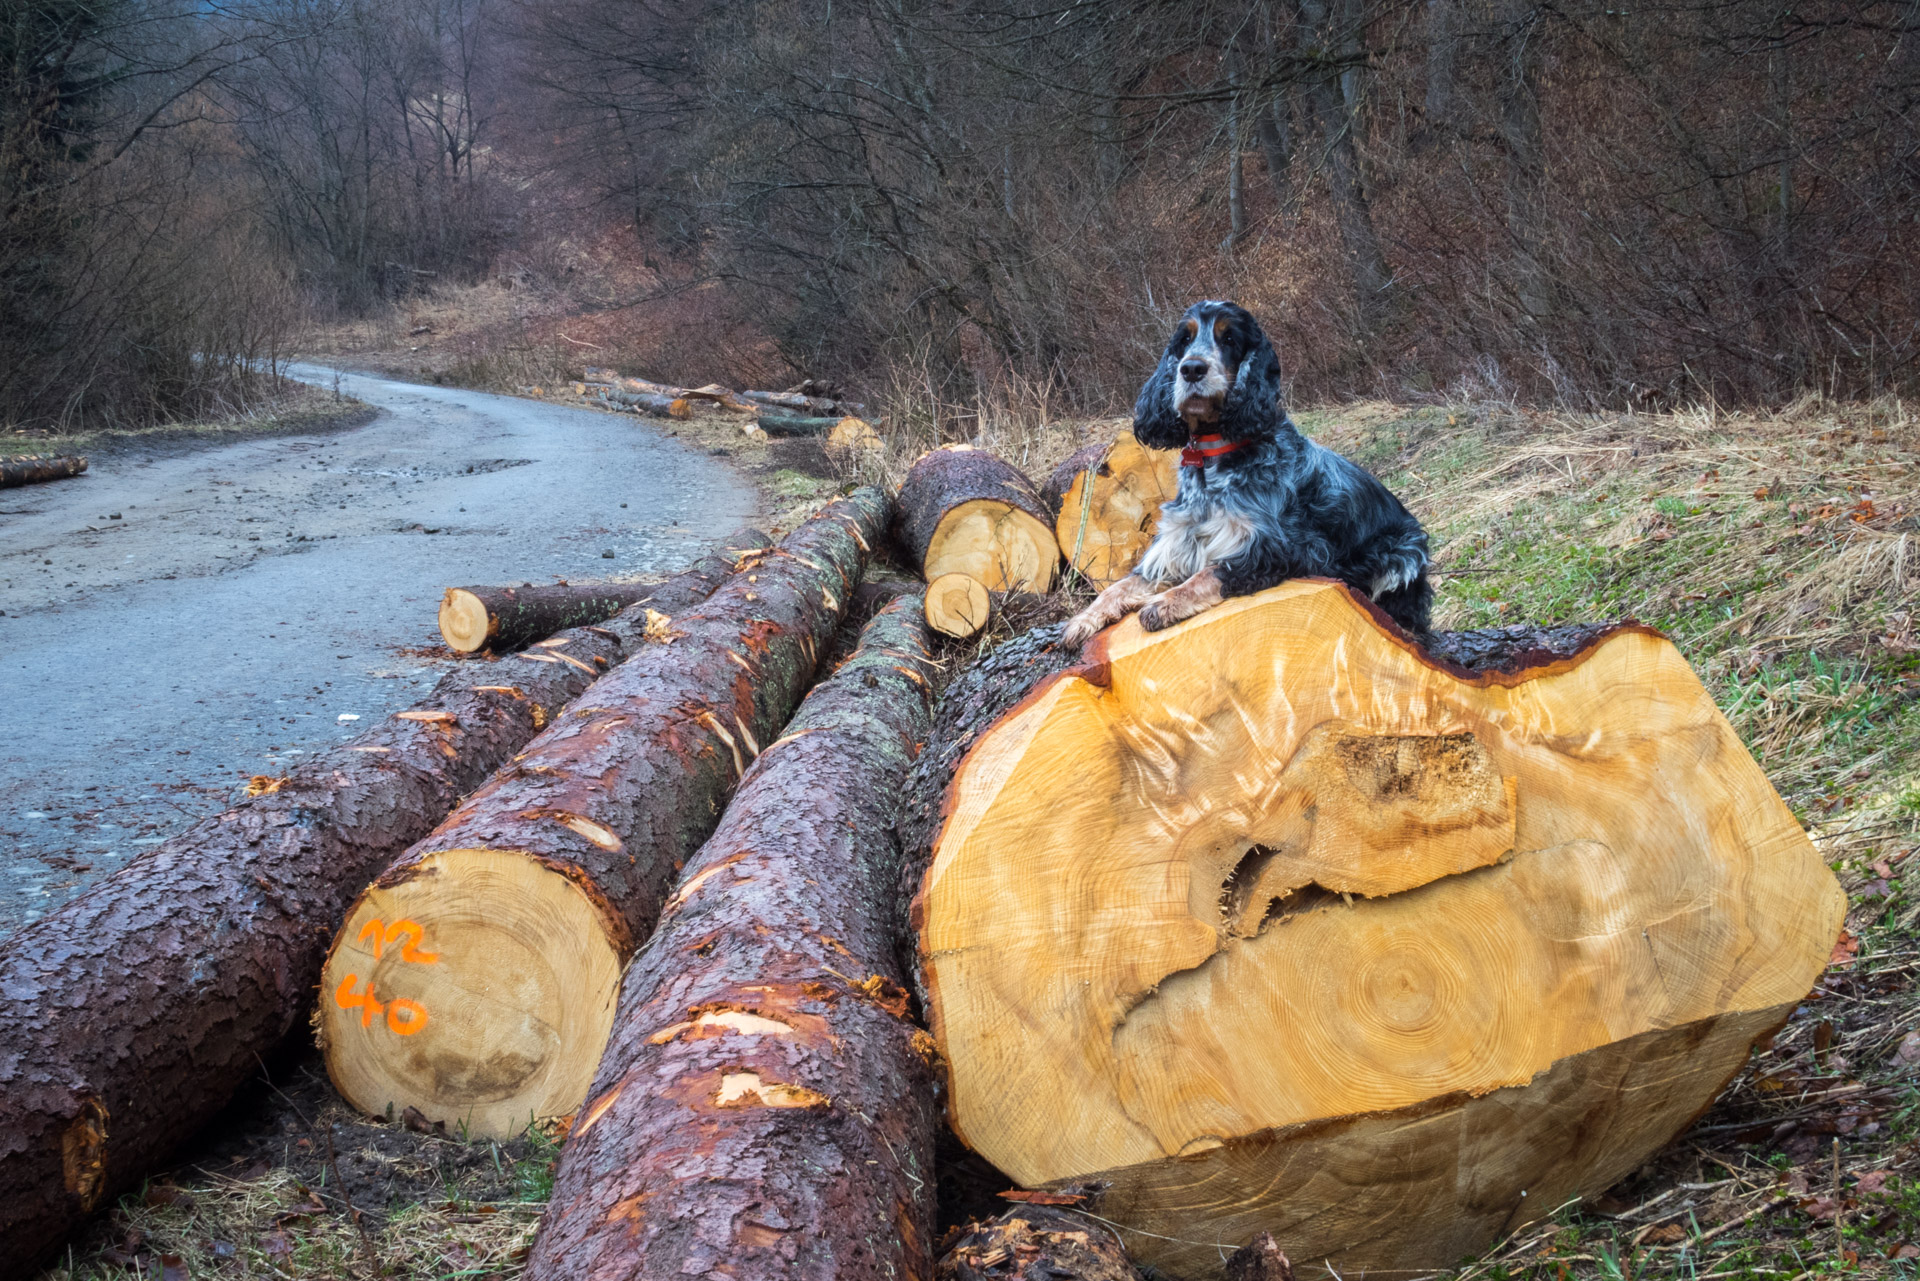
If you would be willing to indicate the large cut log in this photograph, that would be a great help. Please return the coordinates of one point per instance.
(32, 469)
(958, 606)
(963, 510)
(1273, 922)
(475, 979)
(646, 402)
(1106, 504)
(131, 1014)
(506, 618)
(765, 1096)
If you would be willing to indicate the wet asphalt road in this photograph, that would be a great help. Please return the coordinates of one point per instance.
(251, 596)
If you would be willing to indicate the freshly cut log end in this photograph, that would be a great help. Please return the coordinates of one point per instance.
(1106, 500)
(963, 510)
(1036, 1243)
(495, 1011)
(854, 433)
(1270, 922)
(957, 605)
(33, 469)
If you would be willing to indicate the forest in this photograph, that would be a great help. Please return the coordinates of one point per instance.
(1570, 204)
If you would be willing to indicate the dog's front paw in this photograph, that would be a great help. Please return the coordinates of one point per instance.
(1157, 615)
(1080, 630)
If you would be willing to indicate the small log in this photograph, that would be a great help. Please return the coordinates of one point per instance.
(962, 509)
(1477, 941)
(787, 425)
(958, 606)
(33, 469)
(647, 402)
(1036, 1243)
(1106, 503)
(813, 406)
(475, 978)
(130, 1015)
(765, 1094)
(506, 618)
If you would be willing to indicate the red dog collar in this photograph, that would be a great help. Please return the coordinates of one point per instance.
(1202, 450)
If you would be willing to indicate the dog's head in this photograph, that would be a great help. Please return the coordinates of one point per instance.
(1219, 374)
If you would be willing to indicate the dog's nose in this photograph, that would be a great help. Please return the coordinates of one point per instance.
(1193, 370)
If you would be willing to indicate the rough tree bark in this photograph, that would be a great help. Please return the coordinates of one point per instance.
(506, 618)
(475, 978)
(963, 509)
(131, 1015)
(765, 1105)
(1275, 921)
(32, 469)
(787, 425)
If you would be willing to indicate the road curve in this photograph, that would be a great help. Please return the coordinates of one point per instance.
(251, 596)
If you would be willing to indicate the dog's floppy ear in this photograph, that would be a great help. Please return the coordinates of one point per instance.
(1155, 422)
(1252, 405)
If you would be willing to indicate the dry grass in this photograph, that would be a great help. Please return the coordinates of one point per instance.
(289, 408)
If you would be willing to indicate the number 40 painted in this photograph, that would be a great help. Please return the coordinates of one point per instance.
(404, 1017)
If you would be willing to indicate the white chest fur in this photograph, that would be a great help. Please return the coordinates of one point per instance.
(1198, 529)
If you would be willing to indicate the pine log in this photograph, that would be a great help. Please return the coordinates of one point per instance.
(1274, 922)
(712, 393)
(507, 618)
(1106, 503)
(131, 1014)
(765, 1096)
(958, 606)
(646, 402)
(962, 509)
(475, 978)
(854, 433)
(1036, 1243)
(787, 425)
(32, 469)
(799, 403)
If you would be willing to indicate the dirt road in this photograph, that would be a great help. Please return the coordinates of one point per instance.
(176, 622)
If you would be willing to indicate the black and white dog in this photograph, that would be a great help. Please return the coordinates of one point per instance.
(1258, 502)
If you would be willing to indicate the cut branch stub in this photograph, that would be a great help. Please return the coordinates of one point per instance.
(1269, 922)
(1106, 503)
(962, 510)
(475, 978)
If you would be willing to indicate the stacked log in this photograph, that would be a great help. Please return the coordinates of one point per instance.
(475, 978)
(765, 1105)
(1106, 504)
(1386, 963)
(132, 1013)
(962, 510)
(506, 618)
(34, 469)
(958, 606)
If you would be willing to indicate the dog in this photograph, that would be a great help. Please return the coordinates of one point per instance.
(1258, 503)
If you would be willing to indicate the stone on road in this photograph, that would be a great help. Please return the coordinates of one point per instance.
(260, 601)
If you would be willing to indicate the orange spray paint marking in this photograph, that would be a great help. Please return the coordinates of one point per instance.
(346, 999)
(372, 929)
(416, 1016)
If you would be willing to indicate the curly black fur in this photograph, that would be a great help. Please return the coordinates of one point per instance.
(1280, 506)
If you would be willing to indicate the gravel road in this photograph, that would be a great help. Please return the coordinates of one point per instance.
(175, 622)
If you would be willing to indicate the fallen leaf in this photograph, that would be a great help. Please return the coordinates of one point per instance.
(276, 1243)
(1845, 948)
(222, 1249)
(1821, 1207)
(173, 1268)
(1881, 867)
(1873, 1182)
(1909, 1050)
(1907, 1250)
(1667, 1234)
